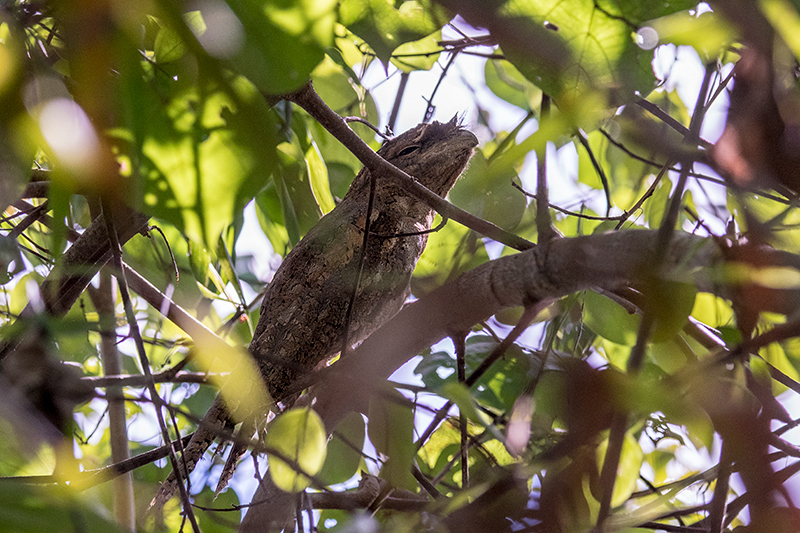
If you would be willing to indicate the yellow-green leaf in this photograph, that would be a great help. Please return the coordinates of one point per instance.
(299, 436)
(630, 461)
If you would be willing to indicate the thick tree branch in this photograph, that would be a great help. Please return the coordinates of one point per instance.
(605, 261)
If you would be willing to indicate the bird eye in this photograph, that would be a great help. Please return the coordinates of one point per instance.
(406, 151)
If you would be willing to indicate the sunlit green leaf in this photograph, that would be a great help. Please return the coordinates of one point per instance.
(168, 46)
(600, 36)
(446, 436)
(708, 32)
(630, 461)
(18, 296)
(203, 164)
(385, 27)
(297, 435)
(775, 355)
(318, 179)
(273, 28)
(421, 54)
(712, 310)
(226, 270)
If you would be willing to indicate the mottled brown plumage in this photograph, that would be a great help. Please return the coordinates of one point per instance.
(303, 314)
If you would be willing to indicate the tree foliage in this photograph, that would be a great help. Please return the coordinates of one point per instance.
(654, 319)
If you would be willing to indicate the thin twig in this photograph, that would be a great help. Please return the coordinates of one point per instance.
(367, 123)
(362, 258)
(116, 255)
(430, 109)
(499, 350)
(138, 380)
(567, 211)
(461, 371)
(584, 140)
(544, 225)
(398, 98)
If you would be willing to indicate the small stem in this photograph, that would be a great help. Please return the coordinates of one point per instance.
(543, 222)
(461, 366)
(397, 100)
(103, 299)
(361, 260)
(716, 514)
(616, 438)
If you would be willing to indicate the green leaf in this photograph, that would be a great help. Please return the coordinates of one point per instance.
(271, 30)
(600, 36)
(489, 195)
(298, 206)
(318, 179)
(385, 27)
(18, 297)
(459, 394)
(71, 333)
(630, 461)
(33, 509)
(16, 156)
(344, 451)
(672, 302)
(497, 388)
(334, 520)
(429, 366)
(668, 355)
(421, 54)
(708, 32)
(776, 355)
(444, 438)
(609, 319)
(205, 155)
(340, 89)
(587, 173)
(168, 46)
(451, 250)
(505, 81)
(391, 426)
(297, 435)
(655, 206)
(227, 272)
(270, 217)
(209, 521)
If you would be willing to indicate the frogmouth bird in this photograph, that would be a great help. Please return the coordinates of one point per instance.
(302, 320)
